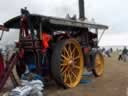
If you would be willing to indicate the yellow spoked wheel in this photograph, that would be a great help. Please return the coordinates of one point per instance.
(99, 64)
(70, 63)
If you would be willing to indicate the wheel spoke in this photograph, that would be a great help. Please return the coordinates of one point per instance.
(70, 79)
(65, 49)
(62, 69)
(70, 51)
(73, 52)
(65, 69)
(77, 57)
(76, 66)
(64, 57)
(74, 74)
(65, 77)
(64, 64)
(76, 62)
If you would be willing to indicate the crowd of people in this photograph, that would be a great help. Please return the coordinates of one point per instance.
(122, 54)
(107, 52)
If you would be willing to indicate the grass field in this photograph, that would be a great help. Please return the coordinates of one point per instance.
(114, 82)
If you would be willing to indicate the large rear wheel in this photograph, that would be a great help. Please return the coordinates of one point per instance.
(67, 63)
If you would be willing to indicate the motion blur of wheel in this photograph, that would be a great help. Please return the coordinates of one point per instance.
(98, 64)
(67, 63)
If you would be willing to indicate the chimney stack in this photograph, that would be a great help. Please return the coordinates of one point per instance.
(81, 10)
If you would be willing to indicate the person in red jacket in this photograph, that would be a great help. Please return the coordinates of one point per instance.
(45, 39)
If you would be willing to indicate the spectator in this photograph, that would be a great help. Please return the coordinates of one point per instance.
(120, 55)
(124, 53)
(107, 52)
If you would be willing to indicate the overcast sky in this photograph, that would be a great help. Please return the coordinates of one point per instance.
(109, 12)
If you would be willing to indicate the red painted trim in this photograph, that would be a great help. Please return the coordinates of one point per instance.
(1, 66)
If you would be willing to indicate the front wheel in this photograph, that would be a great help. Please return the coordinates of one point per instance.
(98, 61)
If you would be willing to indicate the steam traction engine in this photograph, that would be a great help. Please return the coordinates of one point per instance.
(58, 48)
